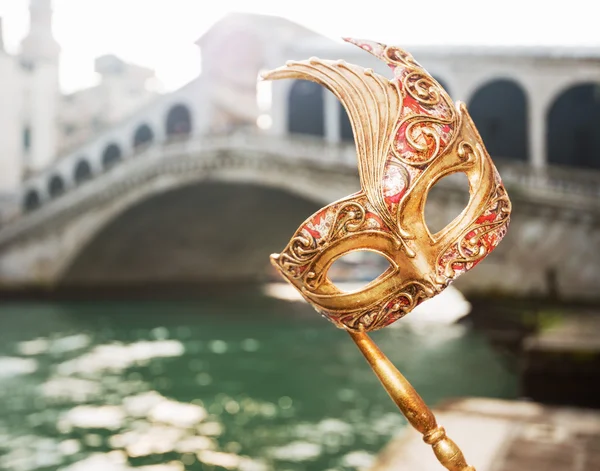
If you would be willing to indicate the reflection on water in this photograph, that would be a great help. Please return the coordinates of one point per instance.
(246, 384)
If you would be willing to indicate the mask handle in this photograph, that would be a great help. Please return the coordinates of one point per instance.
(411, 404)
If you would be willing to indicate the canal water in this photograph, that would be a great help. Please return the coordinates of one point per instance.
(233, 382)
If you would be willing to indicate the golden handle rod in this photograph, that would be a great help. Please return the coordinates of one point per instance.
(411, 404)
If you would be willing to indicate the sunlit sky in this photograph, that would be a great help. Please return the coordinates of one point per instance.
(160, 33)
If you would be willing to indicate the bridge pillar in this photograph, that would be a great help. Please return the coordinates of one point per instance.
(537, 130)
(280, 90)
(332, 119)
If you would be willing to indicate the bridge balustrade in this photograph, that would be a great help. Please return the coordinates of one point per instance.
(550, 183)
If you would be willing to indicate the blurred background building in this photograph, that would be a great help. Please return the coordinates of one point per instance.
(76, 167)
(40, 123)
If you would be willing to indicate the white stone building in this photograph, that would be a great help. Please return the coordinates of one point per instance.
(122, 90)
(38, 122)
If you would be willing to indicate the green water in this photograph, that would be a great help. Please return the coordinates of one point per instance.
(242, 383)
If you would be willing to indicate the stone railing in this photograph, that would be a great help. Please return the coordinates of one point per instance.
(560, 180)
(159, 157)
(550, 186)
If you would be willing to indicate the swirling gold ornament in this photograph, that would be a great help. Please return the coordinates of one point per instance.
(408, 135)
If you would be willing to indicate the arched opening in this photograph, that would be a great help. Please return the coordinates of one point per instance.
(499, 110)
(56, 186)
(143, 136)
(83, 172)
(573, 136)
(179, 121)
(305, 109)
(346, 133)
(32, 200)
(111, 156)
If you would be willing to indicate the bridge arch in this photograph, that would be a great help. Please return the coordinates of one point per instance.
(82, 171)
(56, 186)
(572, 136)
(111, 156)
(147, 241)
(143, 136)
(499, 109)
(179, 121)
(306, 108)
(314, 188)
(32, 200)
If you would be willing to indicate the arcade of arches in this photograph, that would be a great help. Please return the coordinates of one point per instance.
(499, 108)
(178, 123)
(500, 111)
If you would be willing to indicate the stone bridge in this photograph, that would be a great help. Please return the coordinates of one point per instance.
(190, 210)
(205, 182)
(213, 208)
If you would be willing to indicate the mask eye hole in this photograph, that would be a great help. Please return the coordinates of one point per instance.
(446, 200)
(355, 270)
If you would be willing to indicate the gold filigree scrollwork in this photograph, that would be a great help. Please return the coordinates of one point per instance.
(470, 247)
(398, 56)
(348, 218)
(427, 93)
(299, 253)
(422, 88)
(424, 126)
(427, 151)
(468, 253)
(390, 309)
(298, 256)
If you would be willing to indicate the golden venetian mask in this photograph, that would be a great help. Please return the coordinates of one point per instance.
(408, 136)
